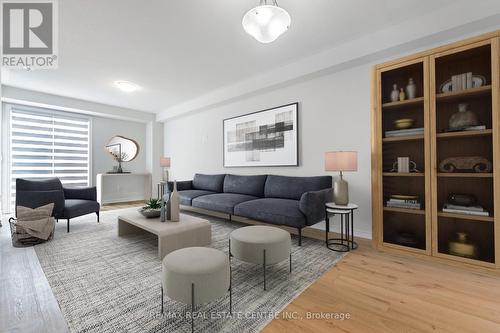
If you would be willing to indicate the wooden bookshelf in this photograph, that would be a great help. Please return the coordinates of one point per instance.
(430, 231)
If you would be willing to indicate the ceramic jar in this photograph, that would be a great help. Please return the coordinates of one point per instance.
(411, 89)
(394, 93)
(463, 118)
(402, 95)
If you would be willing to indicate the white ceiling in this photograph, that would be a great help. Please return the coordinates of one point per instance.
(178, 50)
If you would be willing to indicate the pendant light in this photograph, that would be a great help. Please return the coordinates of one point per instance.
(266, 22)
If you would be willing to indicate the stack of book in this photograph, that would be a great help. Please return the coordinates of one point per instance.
(469, 210)
(404, 132)
(461, 81)
(404, 203)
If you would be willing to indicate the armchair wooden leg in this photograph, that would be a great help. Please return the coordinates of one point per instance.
(97, 213)
(67, 228)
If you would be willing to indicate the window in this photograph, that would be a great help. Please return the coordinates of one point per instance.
(48, 144)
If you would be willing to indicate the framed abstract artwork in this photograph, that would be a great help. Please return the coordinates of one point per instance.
(263, 138)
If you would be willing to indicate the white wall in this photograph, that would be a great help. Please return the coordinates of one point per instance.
(103, 129)
(107, 121)
(334, 114)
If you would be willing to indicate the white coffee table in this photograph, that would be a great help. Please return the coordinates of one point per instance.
(189, 231)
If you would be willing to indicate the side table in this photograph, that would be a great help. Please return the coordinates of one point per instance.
(346, 241)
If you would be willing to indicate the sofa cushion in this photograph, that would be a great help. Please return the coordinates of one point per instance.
(78, 207)
(250, 185)
(293, 187)
(212, 183)
(272, 210)
(221, 202)
(188, 195)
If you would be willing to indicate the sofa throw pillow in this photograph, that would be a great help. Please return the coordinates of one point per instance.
(37, 222)
(26, 213)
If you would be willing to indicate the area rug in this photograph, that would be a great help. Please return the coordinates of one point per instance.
(105, 283)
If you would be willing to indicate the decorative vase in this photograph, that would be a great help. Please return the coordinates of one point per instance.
(461, 247)
(174, 204)
(168, 207)
(402, 95)
(411, 89)
(163, 214)
(463, 118)
(394, 93)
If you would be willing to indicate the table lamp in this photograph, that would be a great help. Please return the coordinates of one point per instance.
(165, 164)
(341, 161)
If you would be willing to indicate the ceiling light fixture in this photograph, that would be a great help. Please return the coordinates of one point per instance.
(266, 22)
(126, 86)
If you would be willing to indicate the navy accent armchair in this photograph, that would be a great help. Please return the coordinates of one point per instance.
(68, 202)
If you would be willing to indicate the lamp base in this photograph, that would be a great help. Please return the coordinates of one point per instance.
(165, 174)
(341, 192)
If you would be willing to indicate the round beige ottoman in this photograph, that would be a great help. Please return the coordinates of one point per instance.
(261, 245)
(196, 275)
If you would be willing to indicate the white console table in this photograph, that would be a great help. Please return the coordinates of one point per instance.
(123, 187)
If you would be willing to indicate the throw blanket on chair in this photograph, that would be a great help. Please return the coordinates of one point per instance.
(37, 222)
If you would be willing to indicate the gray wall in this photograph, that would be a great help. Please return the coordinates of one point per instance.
(334, 114)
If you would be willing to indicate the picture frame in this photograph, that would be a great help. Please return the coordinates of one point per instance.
(265, 138)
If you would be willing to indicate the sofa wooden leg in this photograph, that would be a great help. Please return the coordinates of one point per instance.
(230, 218)
(300, 236)
(67, 228)
(97, 213)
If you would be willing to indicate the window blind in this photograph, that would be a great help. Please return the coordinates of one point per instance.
(44, 144)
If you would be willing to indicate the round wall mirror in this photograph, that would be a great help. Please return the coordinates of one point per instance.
(122, 149)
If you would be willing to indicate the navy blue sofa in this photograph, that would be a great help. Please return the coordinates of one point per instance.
(291, 201)
(68, 202)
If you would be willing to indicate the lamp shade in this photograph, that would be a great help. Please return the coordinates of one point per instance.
(341, 161)
(165, 162)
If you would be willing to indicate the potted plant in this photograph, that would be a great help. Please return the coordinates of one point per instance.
(151, 208)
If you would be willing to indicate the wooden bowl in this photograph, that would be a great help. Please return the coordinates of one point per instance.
(403, 123)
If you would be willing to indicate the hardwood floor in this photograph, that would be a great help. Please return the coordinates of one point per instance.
(122, 205)
(385, 292)
(381, 292)
(26, 300)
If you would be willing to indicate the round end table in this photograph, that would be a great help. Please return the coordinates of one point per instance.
(346, 241)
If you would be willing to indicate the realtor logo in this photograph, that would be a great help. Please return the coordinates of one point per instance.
(29, 34)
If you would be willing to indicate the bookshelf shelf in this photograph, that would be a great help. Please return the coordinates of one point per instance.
(466, 216)
(403, 174)
(472, 92)
(431, 228)
(462, 134)
(403, 138)
(405, 210)
(464, 175)
(401, 104)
